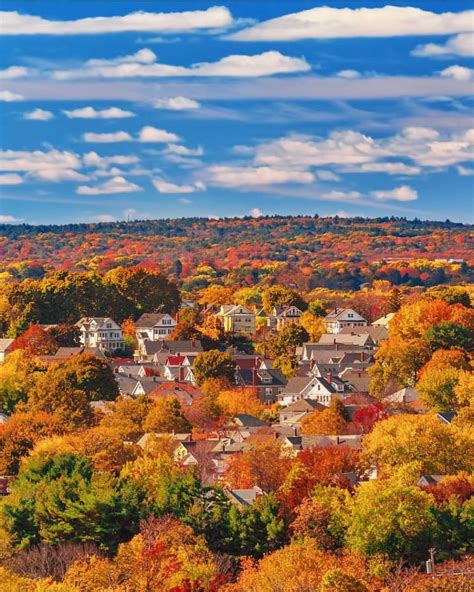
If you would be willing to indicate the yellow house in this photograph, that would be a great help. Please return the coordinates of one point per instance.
(237, 319)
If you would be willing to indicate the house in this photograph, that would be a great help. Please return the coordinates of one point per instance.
(406, 397)
(157, 351)
(384, 321)
(253, 372)
(282, 316)
(363, 340)
(100, 332)
(63, 353)
(243, 497)
(155, 326)
(298, 409)
(446, 416)
(237, 319)
(144, 386)
(180, 368)
(319, 352)
(339, 318)
(5, 348)
(322, 390)
(185, 393)
(427, 480)
(376, 332)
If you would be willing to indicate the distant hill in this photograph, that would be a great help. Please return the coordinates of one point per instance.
(303, 249)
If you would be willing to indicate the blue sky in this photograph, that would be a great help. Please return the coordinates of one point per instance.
(170, 109)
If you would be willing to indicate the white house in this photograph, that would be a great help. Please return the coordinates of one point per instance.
(5, 348)
(155, 326)
(100, 332)
(315, 388)
(339, 318)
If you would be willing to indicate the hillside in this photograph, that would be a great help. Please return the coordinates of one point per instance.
(317, 251)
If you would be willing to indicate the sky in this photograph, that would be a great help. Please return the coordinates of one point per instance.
(148, 109)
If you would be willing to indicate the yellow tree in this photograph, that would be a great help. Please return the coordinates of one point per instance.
(329, 421)
(401, 439)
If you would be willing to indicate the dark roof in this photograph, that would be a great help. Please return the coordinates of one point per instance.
(255, 377)
(149, 319)
(249, 421)
(172, 346)
(302, 405)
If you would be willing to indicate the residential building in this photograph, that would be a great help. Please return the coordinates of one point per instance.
(5, 348)
(282, 316)
(237, 319)
(158, 351)
(322, 390)
(179, 368)
(253, 372)
(100, 332)
(339, 318)
(155, 326)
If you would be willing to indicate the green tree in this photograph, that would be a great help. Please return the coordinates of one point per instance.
(392, 516)
(437, 387)
(288, 339)
(213, 364)
(59, 497)
(18, 374)
(449, 335)
(279, 296)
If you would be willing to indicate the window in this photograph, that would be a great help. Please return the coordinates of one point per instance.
(350, 315)
(109, 325)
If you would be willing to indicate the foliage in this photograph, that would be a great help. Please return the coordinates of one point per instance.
(34, 342)
(166, 415)
(440, 449)
(59, 497)
(329, 421)
(213, 364)
(447, 335)
(18, 374)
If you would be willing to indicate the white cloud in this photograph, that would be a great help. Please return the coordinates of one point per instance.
(234, 176)
(458, 73)
(177, 104)
(165, 187)
(48, 166)
(344, 147)
(10, 97)
(102, 162)
(240, 66)
(5, 219)
(184, 150)
(342, 195)
(153, 134)
(10, 179)
(185, 200)
(465, 171)
(114, 185)
(349, 74)
(107, 137)
(38, 115)
(392, 168)
(13, 72)
(91, 113)
(104, 218)
(331, 23)
(14, 23)
(347, 148)
(402, 193)
(460, 45)
(256, 213)
(327, 176)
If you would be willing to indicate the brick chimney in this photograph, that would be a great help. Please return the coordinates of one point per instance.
(328, 377)
(181, 374)
(362, 356)
(254, 376)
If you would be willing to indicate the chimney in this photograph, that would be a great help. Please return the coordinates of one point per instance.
(311, 364)
(254, 376)
(329, 377)
(362, 356)
(193, 343)
(181, 374)
(337, 440)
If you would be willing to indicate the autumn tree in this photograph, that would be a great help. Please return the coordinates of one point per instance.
(397, 362)
(65, 335)
(213, 364)
(392, 516)
(313, 325)
(216, 296)
(34, 342)
(330, 421)
(402, 439)
(127, 415)
(166, 415)
(437, 388)
(18, 374)
(266, 464)
(278, 296)
(20, 434)
(240, 400)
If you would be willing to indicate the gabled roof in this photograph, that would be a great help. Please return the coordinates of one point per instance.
(172, 346)
(446, 416)
(338, 313)
(405, 395)
(5, 344)
(150, 319)
(345, 338)
(385, 320)
(303, 405)
(175, 360)
(233, 309)
(247, 420)
(87, 321)
(376, 332)
(244, 497)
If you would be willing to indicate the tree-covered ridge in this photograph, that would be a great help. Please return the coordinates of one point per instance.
(246, 250)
